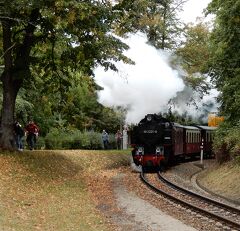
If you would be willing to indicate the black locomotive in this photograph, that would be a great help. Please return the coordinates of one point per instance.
(156, 141)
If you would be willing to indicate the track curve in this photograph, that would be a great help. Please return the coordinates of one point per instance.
(206, 206)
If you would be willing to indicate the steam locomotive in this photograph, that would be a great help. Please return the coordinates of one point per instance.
(157, 142)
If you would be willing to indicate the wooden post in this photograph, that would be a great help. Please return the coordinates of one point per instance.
(125, 138)
(201, 160)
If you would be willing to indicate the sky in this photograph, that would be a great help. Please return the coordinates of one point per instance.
(193, 9)
(147, 86)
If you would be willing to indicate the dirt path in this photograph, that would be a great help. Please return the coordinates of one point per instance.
(142, 215)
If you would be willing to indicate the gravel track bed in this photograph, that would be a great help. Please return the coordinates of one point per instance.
(199, 203)
(183, 176)
(186, 175)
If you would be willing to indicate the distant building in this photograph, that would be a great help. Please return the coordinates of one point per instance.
(214, 120)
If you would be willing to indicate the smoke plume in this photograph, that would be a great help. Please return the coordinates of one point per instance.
(145, 87)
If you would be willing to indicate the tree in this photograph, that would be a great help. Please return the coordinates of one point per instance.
(31, 30)
(194, 56)
(225, 59)
(164, 26)
(157, 18)
(225, 72)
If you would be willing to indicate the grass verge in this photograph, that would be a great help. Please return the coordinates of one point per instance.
(48, 190)
(223, 180)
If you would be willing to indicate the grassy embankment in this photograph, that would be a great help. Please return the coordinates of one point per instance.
(48, 190)
(223, 180)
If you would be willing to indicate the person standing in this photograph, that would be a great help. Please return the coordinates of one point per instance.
(118, 137)
(19, 133)
(105, 139)
(32, 134)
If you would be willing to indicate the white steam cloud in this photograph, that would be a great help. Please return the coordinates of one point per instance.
(145, 87)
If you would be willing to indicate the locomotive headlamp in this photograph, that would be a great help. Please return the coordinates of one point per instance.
(149, 118)
(167, 125)
(140, 151)
(159, 150)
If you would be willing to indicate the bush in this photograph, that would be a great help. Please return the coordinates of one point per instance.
(95, 140)
(40, 143)
(112, 142)
(55, 138)
(227, 142)
(75, 139)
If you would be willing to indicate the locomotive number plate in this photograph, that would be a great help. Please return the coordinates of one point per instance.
(150, 131)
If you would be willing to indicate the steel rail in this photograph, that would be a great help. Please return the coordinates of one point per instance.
(191, 206)
(207, 199)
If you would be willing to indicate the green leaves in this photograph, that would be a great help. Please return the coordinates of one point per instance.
(225, 72)
(225, 57)
(194, 54)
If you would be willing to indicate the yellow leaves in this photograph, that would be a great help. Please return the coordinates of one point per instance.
(71, 16)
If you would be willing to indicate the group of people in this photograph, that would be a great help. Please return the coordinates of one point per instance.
(31, 131)
(118, 138)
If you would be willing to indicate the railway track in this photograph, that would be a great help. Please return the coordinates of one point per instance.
(227, 215)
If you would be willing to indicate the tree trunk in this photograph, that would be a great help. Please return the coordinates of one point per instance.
(10, 90)
(15, 70)
(7, 139)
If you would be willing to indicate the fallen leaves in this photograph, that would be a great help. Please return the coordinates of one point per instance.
(56, 190)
